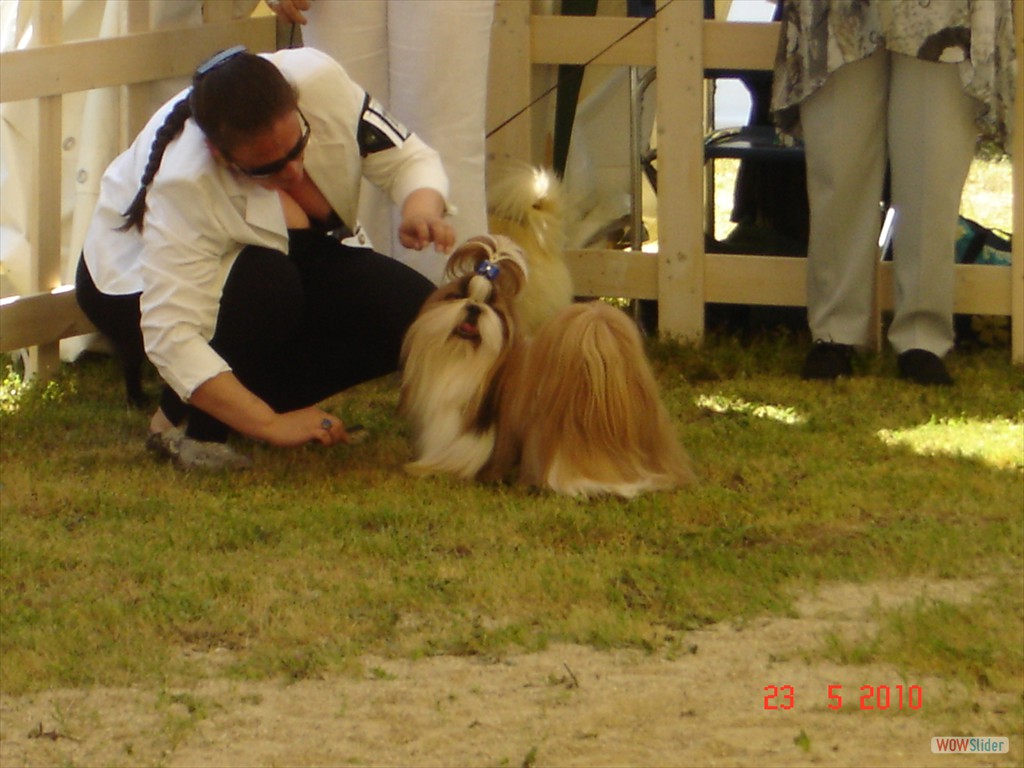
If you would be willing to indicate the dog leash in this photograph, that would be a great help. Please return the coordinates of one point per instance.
(516, 115)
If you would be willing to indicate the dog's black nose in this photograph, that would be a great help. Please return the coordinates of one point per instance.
(472, 312)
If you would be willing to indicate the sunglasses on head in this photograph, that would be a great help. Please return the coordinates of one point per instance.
(218, 59)
(271, 169)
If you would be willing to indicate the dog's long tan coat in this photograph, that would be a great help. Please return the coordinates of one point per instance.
(576, 407)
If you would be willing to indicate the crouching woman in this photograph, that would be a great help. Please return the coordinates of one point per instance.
(225, 247)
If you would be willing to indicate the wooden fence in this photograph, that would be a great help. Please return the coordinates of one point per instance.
(681, 277)
(46, 72)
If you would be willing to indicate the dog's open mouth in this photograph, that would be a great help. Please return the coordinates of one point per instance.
(469, 328)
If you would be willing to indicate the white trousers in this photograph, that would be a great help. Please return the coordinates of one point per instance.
(915, 115)
(426, 61)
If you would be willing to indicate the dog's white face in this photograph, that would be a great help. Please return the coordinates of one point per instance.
(466, 323)
(473, 315)
(451, 357)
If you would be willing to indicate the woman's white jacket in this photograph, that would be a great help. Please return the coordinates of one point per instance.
(200, 215)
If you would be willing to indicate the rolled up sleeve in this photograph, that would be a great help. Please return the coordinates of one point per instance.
(184, 264)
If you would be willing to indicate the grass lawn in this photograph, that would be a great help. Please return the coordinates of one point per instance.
(113, 565)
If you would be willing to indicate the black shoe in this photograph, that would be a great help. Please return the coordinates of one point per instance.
(827, 361)
(923, 367)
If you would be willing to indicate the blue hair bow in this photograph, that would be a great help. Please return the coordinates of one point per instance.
(488, 269)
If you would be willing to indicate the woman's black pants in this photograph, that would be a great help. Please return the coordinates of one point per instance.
(294, 328)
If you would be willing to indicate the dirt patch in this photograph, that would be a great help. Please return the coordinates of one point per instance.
(566, 706)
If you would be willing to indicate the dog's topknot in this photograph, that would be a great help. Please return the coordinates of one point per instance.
(505, 257)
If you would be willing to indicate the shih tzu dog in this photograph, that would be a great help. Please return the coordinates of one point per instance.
(575, 407)
(525, 204)
(453, 356)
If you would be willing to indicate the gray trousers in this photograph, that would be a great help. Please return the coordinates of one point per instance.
(915, 115)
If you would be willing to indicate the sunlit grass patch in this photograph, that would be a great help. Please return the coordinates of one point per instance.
(12, 387)
(719, 403)
(988, 195)
(996, 442)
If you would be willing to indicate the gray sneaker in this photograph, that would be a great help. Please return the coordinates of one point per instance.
(216, 457)
(166, 444)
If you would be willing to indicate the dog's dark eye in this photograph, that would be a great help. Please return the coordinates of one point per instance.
(451, 295)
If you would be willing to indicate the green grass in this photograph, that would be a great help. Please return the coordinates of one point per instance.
(994, 441)
(116, 568)
(969, 643)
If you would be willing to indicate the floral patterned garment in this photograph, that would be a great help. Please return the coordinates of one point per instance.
(820, 36)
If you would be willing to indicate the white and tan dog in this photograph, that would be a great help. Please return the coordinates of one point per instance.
(453, 356)
(576, 407)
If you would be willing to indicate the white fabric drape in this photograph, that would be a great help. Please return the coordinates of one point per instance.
(426, 61)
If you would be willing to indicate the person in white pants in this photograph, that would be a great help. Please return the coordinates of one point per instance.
(426, 60)
(877, 83)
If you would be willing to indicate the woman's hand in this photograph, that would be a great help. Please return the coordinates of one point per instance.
(423, 222)
(306, 425)
(227, 400)
(290, 11)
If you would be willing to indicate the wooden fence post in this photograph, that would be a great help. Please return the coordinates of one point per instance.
(680, 62)
(510, 82)
(1017, 276)
(45, 217)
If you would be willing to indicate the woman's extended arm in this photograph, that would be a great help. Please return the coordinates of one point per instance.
(226, 399)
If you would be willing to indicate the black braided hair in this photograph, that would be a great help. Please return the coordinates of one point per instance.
(174, 123)
(231, 104)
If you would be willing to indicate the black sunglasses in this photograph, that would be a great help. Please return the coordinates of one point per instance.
(271, 169)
